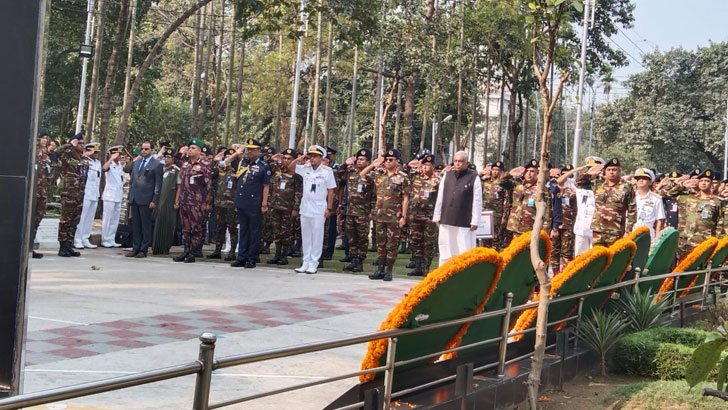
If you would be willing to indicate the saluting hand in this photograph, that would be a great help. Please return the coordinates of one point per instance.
(517, 172)
(595, 170)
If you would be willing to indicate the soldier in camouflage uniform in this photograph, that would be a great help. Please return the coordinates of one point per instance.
(225, 217)
(700, 214)
(360, 202)
(616, 209)
(496, 196)
(392, 186)
(74, 171)
(284, 199)
(424, 186)
(569, 210)
(267, 233)
(194, 200)
(523, 208)
(43, 174)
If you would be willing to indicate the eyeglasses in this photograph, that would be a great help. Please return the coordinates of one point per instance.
(390, 159)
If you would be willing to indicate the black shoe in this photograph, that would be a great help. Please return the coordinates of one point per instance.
(282, 261)
(403, 249)
(348, 267)
(63, 250)
(238, 264)
(376, 262)
(358, 267)
(345, 259)
(37, 255)
(214, 255)
(197, 252)
(230, 256)
(265, 250)
(379, 274)
(181, 257)
(249, 265)
(388, 273)
(72, 251)
(274, 260)
(295, 254)
(190, 258)
(411, 264)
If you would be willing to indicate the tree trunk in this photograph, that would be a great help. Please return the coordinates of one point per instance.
(385, 113)
(195, 102)
(130, 51)
(121, 135)
(317, 78)
(397, 114)
(487, 114)
(408, 116)
(111, 69)
(231, 71)
(377, 109)
(456, 134)
(352, 106)
(329, 73)
(206, 70)
(93, 91)
(218, 73)
(239, 102)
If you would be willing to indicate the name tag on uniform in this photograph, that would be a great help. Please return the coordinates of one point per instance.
(427, 194)
(229, 183)
(282, 186)
(48, 169)
(165, 174)
(530, 201)
(497, 196)
(360, 188)
(566, 200)
(705, 214)
(674, 207)
(192, 180)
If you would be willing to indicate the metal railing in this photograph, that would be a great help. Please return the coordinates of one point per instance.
(206, 362)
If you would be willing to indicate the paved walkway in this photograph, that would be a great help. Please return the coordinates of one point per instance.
(103, 315)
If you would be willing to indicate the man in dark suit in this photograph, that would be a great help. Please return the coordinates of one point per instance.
(144, 189)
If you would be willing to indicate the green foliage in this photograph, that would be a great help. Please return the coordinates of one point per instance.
(662, 352)
(602, 333)
(641, 309)
(660, 394)
(706, 356)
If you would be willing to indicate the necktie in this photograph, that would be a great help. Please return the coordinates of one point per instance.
(141, 166)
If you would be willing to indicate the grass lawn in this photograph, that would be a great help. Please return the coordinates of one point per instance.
(661, 394)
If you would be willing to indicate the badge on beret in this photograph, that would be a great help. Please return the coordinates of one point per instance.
(391, 152)
(533, 162)
(614, 161)
(362, 152)
(707, 173)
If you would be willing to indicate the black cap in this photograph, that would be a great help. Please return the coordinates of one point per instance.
(78, 136)
(252, 143)
(269, 150)
(613, 162)
(567, 168)
(439, 167)
(472, 166)
(695, 172)
(531, 163)
(229, 151)
(717, 175)
(169, 152)
(392, 152)
(674, 174)
(497, 164)
(165, 143)
(428, 158)
(43, 132)
(289, 151)
(423, 153)
(206, 150)
(331, 151)
(364, 152)
(708, 173)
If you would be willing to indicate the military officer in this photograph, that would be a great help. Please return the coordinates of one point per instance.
(360, 202)
(569, 211)
(90, 197)
(615, 207)
(225, 217)
(496, 197)
(113, 194)
(392, 187)
(251, 202)
(423, 196)
(43, 175)
(523, 208)
(285, 198)
(74, 171)
(331, 225)
(194, 199)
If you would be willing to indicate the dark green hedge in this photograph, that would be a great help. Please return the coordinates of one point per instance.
(661, 352)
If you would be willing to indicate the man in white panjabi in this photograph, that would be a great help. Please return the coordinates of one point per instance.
(112, 197)
(458, 207)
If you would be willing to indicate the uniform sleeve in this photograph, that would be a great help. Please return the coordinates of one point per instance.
(300, 169)
(631, 205)
(208, 181)
(298, 192)
(438, 204)
(158, 175)
(266, 176)
(659, 209)
(330, 180)
(477, 206)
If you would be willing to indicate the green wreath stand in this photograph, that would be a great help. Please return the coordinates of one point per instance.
(720, 257)
(622, 256)
(449, 292)
(643, 241)
(661, 258)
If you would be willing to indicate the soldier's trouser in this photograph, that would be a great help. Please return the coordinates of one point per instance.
(330, 234)
(423, 237)
(70, 215)
(605, 238)
(193, 225)
(498, 229)
(582, 244)
(387, 241)
(357, 230)
(562, 249)
(279, 222)
(312, 234)
(40, 210)
(110, 221)
(250, 221)
(225, 219)
(268, 235)
(555, 257)
(86, 221)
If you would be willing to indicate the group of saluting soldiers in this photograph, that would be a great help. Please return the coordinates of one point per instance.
(254, 194)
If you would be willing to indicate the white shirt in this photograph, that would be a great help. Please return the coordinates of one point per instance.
(93, 179)
(585, 209)
(316, 184)
(649, 209)
(477, 201)
(114, 189)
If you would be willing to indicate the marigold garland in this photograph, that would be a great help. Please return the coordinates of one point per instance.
(419, 292)
(722, 243)
(576, 265)
(639, 231)
(616, 248)
(516, 246)
(685, 264)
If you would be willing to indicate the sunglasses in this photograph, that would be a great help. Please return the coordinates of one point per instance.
(390, 159)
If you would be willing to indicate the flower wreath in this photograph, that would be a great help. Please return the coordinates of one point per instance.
(687, 263)
(637, 232)
(576, 265)
(722, 243)
(616, 248)
(516, 246)
(422, 290)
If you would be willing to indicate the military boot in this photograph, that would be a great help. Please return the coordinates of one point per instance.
(348, 267)
(345, 259)
(71, 251)
(283, 260)
(63, 250)
(274, 260)
(265, 249)
(182, 256)
(411, 263)
(404, 249)
(379, 274)
(216, 254)
(358, 265)
(231, 256)
(197, 251)
(417, 271)
(388, 272)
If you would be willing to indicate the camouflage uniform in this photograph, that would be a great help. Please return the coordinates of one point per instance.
(284, 197)
(523, 209)
(360, 201)
(74, 171)
(195, 191)
(422, 199)
(495, 198)
(699, 217)
(391, 191)
(615, 211)
(225, 216)
(563, 244)
(43, 174)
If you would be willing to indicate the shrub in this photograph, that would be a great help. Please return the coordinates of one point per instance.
(642, 310)
(601, 333)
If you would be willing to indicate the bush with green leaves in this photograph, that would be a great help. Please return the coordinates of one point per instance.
(602, 333)
(642, 309)
(706, 356)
